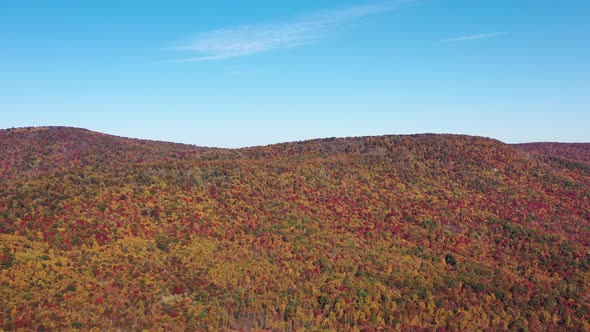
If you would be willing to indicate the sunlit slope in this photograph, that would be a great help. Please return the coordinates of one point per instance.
(409, 232)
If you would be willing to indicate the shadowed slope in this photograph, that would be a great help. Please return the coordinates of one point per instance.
(41, 149)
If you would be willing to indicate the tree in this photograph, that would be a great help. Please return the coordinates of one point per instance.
(450, 259)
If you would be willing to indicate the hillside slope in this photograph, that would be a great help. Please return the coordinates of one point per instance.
(414, 232)
(571, 151)
(36, 150)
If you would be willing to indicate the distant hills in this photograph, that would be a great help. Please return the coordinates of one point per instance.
(570, 151)
(404, 232)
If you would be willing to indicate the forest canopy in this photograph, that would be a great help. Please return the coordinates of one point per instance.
(409, 232)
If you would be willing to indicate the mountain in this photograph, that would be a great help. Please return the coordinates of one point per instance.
(36, 150)
(571, 151)
(409, 232)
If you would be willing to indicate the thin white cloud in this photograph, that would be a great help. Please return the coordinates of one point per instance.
(473, 37)
(246, 40)
(235, 73)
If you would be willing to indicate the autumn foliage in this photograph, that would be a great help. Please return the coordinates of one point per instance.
(418, 232)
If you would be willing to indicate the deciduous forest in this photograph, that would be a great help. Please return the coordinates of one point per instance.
(408, 232)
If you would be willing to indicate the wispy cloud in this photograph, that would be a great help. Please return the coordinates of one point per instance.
(473, 37)
(246, 40)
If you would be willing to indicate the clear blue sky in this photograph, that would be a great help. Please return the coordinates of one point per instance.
(240, 73)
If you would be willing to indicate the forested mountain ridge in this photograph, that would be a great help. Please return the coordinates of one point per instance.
(37, 150)
(409, 232)
(571, 151)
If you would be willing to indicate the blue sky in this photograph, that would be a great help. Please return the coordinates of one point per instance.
(242, 73)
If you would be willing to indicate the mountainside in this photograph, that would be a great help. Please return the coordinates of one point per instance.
(41, 149)
(571, 151)
(412, 232)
